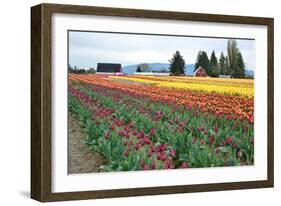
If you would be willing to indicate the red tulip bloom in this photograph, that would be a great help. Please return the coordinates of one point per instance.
(140, 135)
(184, 165)
(164, 157)
(161, 156)
(134, 132)
(251, 120)
(217, 150)
(153, 164)
(127, 128)
(126, 153)
(168, 164)
(141, 142)
(122, 122)
(153, 148)
(106, 135)
(216, 129)
(172, 153)
(130, 143)
(229, 140)
(145, 167)
(223, 143)
(137, 146)
(212, 139)
(194, 140)
(161, 147)
(112, 127)
(146, 140)
(202, 128)
(142, 163)
(152, 132)
(123, 133)
(150, 153)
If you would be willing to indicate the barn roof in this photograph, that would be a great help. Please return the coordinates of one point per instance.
(109, 67)
(200, 69)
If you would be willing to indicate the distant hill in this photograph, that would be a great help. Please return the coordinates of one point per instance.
(189, 68)
(130, 69)
(249, 73)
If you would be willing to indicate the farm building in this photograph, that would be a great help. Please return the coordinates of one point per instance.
(225, 76)
(109, 68)
(200, 72)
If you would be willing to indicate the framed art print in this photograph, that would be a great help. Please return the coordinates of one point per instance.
(129, 102)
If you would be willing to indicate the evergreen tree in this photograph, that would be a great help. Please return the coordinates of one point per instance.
(239, 71)
(203, 61)
(214, 68)
(236, 63)
(232, 54)
(177, 64)
(222, 64)
(138, 69)
(227, 69)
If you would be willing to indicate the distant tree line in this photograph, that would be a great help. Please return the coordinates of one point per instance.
(76, 70)
(230, 64)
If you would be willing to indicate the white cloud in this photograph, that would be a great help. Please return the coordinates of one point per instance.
(86, 49)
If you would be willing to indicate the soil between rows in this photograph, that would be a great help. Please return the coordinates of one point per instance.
(80, 158)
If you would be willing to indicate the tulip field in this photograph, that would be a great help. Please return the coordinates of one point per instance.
(170, 122)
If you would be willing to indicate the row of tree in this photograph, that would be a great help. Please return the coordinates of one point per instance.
(230, 64)
(77, 70)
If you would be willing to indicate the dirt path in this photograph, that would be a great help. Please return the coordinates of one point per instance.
(80, 158)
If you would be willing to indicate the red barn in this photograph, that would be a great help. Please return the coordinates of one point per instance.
(200, 72)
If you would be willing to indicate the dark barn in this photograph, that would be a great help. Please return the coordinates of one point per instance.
(109, 68)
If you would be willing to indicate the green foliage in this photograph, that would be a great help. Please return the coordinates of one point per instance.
(76, 70)
(236, 66)
(214, 67)
(230, 64)
(203, 61)
(232, 52)
(191, 145)
(177, 65)
(222, 64)
(239, 71)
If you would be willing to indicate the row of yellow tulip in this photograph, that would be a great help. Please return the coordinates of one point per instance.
(242, 87)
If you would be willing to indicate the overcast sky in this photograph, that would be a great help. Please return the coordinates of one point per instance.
(86, 49)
